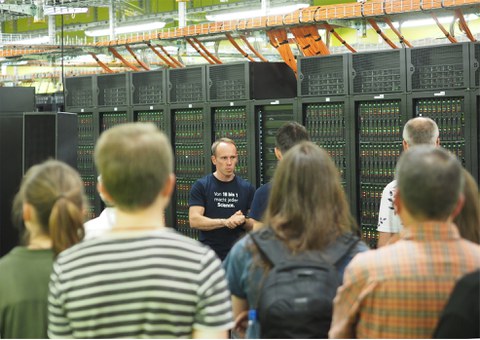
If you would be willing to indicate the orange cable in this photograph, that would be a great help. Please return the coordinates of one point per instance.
(258, 54)
(211, 56)
(179, 64)
(344, 43)
(464, 25)
(379, 31)
(448, 35)
(239, 49)
(210, 61)
(141, 63)
(397, 32)
(168, 62)
(122, 59)
(102, 65)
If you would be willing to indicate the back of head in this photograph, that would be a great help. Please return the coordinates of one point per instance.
(307, 206)
(135, 161)
(420, 130)
(430, 182)
(56, 192)
(468, 220)
(290, 134)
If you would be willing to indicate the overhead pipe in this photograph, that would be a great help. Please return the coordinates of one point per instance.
(141, 63)
(206, 57)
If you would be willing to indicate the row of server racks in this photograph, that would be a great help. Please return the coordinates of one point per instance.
(353, 105)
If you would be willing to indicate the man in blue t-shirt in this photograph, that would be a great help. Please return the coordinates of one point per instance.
(287, 136)
(219, 202)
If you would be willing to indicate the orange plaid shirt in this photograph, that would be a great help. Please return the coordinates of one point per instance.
(399, 291)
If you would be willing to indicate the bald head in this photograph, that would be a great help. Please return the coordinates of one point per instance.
(420, 130)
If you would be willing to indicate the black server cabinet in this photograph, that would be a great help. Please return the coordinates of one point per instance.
(451, 110)
(379, 125)
(88, 131)
(444, 67)
(475, 128)
(113, 90)
(80, 92)
(11, 166)
(269, 116)
(323, 76)
(27, 139)
(187, 85)
(17, 99)
(49, 135)
(379, 72)
(191, 131)
(246, 80)
(149, 88)
(235, 120)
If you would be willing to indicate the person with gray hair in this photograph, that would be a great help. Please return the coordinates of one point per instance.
(417, 131)
(399, 291)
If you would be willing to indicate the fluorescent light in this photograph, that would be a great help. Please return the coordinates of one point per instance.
(29, 41)
(99, 32)
(254, 13)
(59, 10)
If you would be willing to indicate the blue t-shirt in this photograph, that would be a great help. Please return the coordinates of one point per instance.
(221, 200)
(260, 202)
(244, 276)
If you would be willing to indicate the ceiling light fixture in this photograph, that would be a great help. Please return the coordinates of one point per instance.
(59, 10)
(100, 32)
(431, 22)
(254, 13)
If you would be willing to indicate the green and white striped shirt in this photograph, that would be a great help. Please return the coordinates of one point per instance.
(159, 284)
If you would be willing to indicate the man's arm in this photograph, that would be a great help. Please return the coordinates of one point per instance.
(209, 334)
(199, 221)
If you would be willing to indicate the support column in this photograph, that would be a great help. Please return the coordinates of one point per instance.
(111, 19)
(265, 7)
(51, 29)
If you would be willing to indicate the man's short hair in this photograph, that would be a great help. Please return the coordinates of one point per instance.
(135, 161)
(289, 134)
(420, 130)
(221, 140)
(430, 181)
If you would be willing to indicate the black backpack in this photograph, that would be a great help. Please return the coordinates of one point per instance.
(296, 298)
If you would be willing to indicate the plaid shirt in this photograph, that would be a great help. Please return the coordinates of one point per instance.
(399, 291)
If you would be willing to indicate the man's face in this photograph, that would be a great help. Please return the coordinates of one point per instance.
(225, 159)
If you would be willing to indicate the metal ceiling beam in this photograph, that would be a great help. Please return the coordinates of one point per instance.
(28, 9)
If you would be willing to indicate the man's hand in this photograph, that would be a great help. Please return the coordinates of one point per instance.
(235, 220)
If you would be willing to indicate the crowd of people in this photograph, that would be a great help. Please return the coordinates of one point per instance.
(283, 261)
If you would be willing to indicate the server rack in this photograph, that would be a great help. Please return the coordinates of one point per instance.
(475, 107)
(148, 99)
(81, 97)
(13, 102)
(80, 92)
(379, 123)
(269, 116)
(191, 133)
(235, 120)
(49, 134)
(187, 85)
(324, 106)
(451, 111)
(245, 80)
(378, 85)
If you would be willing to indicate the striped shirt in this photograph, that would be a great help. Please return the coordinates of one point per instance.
(399, 291)
(157, 284)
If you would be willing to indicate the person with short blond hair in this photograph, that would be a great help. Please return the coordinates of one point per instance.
(141, 279)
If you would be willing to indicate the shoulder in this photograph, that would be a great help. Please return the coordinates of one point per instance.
(244, 183)
(390, 187)
(263, 190)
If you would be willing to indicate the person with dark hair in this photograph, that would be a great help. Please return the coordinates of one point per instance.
(461, 317)
(141, 279)
(51, 202)
(286, 137)
(307, 212)
(417, 131)
(468, 220)
(399, 291)
(219, 202)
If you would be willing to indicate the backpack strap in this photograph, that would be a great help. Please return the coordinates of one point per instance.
(269, 246)
(340, 248)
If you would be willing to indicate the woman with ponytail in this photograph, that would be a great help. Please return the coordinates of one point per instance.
(51, 202)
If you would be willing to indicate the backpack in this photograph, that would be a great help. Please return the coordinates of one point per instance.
(296, 298)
